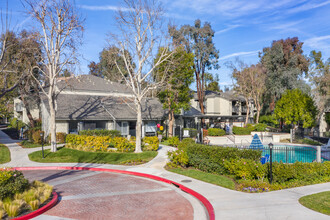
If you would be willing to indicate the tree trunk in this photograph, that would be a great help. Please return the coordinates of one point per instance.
(138, 148)
(171, 123)
(247, 113)
(258, 114)
(28, 113)
(52, 124)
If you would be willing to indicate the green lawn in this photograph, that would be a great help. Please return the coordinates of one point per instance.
(206, 177)
(319, 202)
(4, 154)
(66, 155)
(28, 144)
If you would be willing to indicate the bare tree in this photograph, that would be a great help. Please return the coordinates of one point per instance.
(140, 33)
(258, 84)
(60, 31)
(243, 86)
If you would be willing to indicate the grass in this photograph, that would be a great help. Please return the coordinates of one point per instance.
(28, 144)
(66, 155)
(319, 202)
(4, 154)
(165, 143)
(206, 177)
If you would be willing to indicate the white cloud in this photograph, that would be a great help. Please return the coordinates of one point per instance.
(227, 29)
(236, 8)
(319, 43)
(308, 6)
(103, 8)
(250, 53)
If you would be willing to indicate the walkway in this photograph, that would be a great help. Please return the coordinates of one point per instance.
(228, 204)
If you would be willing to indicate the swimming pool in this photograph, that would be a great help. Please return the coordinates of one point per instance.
(291, 154)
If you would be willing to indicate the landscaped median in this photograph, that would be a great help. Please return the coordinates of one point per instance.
(243, 167)
(18, 197)
(99, 149)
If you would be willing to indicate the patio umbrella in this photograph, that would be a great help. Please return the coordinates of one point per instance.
(256, 143)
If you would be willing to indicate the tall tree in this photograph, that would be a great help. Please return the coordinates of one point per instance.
(211, 83)
(59, 31)
(198, 40)
(107, 67)
(296, 108)
(180, 74)
(31, 56)
(140, 33)
(10, 54)
(285, 64)
(320, 77)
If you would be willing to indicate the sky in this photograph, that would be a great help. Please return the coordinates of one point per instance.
(242, 28)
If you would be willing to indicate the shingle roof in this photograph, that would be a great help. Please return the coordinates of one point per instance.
(192, 112)
(92, 83)
(88, 107)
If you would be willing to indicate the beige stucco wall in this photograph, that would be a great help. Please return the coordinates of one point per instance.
(62, 126)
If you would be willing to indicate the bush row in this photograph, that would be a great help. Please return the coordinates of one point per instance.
(216, 132)
(106, 143)
(211, 159)
(241, 131)
(244, 165)
(97, 132)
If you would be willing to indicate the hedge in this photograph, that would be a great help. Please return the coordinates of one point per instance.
(97, 132)
(216, 132)
(241, 131)
(105, 143)
(211, 159)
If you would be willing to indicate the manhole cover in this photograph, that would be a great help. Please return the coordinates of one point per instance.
(186, 181)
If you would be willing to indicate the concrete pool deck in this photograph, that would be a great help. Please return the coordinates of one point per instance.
(228, 204)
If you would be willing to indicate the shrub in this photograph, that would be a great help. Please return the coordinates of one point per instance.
(241, 131)
(245, 169)
(36, 137)
(122, 144)
(185, 142)
(268, 119)
(173, 141)
(211, 159)
(11, 182)
(17, 124)
(177, 158)
(60, 137)
(97, 132)
(151, 143)
(260, 127)
(192, 132)
(216, 132)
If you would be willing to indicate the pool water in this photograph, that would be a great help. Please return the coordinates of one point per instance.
(291, 154)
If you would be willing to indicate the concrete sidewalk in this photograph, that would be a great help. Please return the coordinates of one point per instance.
(228, 204)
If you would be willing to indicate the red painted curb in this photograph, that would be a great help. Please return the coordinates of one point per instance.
(198, 196)
(41, 210)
